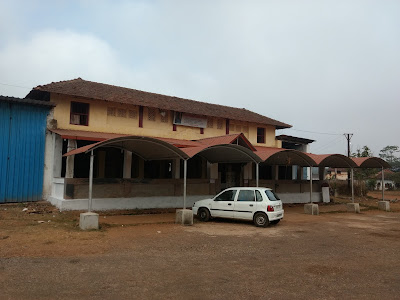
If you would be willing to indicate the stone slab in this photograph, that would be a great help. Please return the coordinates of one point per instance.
(311, 209)
(384, 205)
(184, 217)
(353, 207)
(89, 221)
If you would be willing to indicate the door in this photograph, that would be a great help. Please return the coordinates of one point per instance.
(222, 205)
(245, 205)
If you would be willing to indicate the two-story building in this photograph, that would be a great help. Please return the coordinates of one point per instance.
(220, 146)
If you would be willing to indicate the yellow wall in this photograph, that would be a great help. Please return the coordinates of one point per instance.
(100, 121)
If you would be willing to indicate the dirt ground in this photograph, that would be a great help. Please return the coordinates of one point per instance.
(44, 255)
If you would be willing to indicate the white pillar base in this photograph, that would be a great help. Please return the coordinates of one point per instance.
(353, 207)
(311, 209)
(184, 217)
(384, 205)
(88, 221)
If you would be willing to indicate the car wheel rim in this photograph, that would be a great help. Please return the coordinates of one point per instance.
(260, 220)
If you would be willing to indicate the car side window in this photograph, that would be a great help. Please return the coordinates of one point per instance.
(226, 196)
(259, 196)
(246, 195)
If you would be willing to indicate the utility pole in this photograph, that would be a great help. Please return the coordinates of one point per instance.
(348, 138)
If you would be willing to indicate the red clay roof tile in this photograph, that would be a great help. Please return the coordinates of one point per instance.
(93, 90)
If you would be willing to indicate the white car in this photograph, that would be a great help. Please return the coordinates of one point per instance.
(259, 204)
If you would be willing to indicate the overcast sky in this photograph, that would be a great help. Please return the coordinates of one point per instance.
(321, 66)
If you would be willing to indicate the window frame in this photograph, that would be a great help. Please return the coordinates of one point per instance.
(79, 114)
(234, 191)
(261, 137)
(246, 191)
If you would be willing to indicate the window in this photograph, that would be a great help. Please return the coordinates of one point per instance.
(246, 195)
(132, 114)
(259, 196)
(121, 112)
(226, 196)
(111, 111)
(271, 195)
(151, 114)
(164, 116)
(79, 113)
(260, 135)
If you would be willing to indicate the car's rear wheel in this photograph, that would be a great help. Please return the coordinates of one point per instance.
(275, 221)
(261, 219)
(203, 214)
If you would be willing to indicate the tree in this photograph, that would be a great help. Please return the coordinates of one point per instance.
(364, 152)
(364, 175)
(395, 177)
(389, 154)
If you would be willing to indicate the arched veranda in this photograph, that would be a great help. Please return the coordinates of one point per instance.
(158, 149)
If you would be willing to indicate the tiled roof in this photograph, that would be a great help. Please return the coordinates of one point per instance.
(93, 90)
(227, 139)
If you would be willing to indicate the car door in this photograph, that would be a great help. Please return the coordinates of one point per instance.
(222, 205)
(245, 204)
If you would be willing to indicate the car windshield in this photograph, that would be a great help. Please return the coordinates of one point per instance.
(271, 195)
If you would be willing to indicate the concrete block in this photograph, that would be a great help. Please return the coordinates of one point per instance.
(184, 217)
(89, 220)
(311, 209)
(384, 205)
(353, 207)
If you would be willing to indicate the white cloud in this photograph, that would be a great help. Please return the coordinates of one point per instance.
(54, 55)
(330, 66)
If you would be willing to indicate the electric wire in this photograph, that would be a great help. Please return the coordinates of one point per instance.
(315, 132)
(13, 85)
(328, 144)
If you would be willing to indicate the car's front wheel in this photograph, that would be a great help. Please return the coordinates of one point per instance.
(203, 214)
(261, 220)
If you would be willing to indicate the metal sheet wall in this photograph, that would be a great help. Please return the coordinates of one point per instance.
(22, 142)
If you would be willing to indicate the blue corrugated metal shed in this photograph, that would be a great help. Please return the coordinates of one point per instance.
(22, 142)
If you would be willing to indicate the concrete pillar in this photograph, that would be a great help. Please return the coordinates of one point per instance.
(294, 172)
(275, 172)
(299, 173)
(248, 171)
(214, 171)
(127, 173)
(69, 170)
(203, 168)
(321, 173)
(141, 168)
(176, 168)
(101, 163)
(52, 161)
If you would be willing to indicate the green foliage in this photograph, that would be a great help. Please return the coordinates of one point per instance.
(364, 152)
(370, 184)
(395, 177)
(389, 154)
(360, 188)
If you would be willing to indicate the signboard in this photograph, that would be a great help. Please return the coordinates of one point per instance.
(189, 120)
